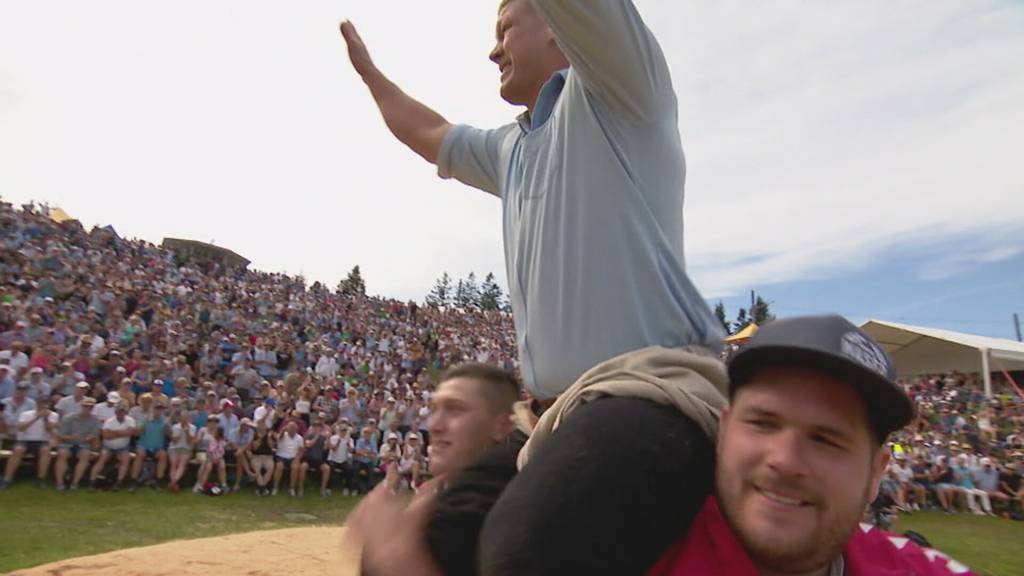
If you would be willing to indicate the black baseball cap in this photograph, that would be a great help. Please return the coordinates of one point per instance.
(831, 344)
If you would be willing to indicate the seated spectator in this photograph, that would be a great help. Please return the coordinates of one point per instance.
(1012, 488)
(946, 489)
(152, 430)
(238, 450)
(986, 478)
(365, 460)
(77, 436)
(288, 457)
(390, 453)
(13, 407)
(339, 456)
(105, 410)
(962, 475)
(216, 445)
(179, 451)
(411, 462)
(314, 455)
(35, 431)
(261, 455)
(70, 404)
(117, 432)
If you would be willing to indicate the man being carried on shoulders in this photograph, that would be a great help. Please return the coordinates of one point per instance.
(590, 178)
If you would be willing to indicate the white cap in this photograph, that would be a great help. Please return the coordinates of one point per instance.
(113, 398)
(392, 436)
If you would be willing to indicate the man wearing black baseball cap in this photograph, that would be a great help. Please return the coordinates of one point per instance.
(801, 451)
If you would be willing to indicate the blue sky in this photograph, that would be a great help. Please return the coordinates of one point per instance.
(976, 292)
(860, 156)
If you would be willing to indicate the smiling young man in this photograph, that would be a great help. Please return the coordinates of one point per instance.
(473, 452)
(801, 452)
(591, 179)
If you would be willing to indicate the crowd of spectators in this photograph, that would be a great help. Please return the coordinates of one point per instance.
(134, 367)
(964, 452)
(119, 354)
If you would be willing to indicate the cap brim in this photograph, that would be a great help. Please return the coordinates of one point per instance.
(889, 409)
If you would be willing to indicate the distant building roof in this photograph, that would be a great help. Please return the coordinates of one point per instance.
(204, 250)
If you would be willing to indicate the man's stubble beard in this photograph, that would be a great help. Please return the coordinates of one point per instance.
(819, 552)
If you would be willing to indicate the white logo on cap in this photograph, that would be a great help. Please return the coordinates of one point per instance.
(865, 352)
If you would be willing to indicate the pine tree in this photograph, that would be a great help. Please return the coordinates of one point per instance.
(441, 294)
(472, 291)
(741, 321)
(720, 314)
(460, 294)
(353, 284)
(490, 293)
(760, 313)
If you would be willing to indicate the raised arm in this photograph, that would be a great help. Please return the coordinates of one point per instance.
(612, 52)
(416, 125)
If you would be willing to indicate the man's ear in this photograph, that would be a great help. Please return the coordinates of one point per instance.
(503, 426)
(879, 462)
(723, 420)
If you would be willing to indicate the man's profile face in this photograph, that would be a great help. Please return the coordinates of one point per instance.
(521, 39)
(797, 466)
(463, 424)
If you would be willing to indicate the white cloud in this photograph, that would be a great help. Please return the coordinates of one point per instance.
(817, 134)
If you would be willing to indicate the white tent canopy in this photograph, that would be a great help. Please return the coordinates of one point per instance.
(917, 350)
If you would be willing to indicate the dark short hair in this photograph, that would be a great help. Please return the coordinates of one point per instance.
(500, 386)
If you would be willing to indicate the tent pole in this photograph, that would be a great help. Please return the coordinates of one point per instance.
(1009, 378)
(986, 372)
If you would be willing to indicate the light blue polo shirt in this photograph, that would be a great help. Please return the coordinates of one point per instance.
(592, 202)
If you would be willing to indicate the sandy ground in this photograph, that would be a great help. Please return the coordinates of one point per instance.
(306, 551)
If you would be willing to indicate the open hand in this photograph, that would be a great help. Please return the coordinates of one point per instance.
(357, 52)
(392, 531)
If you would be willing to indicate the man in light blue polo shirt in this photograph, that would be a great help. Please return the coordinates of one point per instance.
(591, 183)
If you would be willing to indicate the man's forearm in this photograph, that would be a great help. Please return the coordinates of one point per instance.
(412, 122)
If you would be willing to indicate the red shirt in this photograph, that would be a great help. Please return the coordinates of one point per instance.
(711, 547)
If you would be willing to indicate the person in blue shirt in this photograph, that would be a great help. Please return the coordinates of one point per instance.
(365, 460)
(153, 429)
(590, 179)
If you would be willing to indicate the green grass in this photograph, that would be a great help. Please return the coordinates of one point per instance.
(989, 546)
(42, 526)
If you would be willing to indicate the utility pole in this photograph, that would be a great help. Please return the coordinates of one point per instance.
(1016, 324)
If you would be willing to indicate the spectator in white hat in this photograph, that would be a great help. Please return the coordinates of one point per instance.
(77, 435)
(411, 462)
(105, 410)
(70, 404)
(38, 386)
(986, 477)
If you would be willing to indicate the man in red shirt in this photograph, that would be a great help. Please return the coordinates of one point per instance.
(801, 451)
